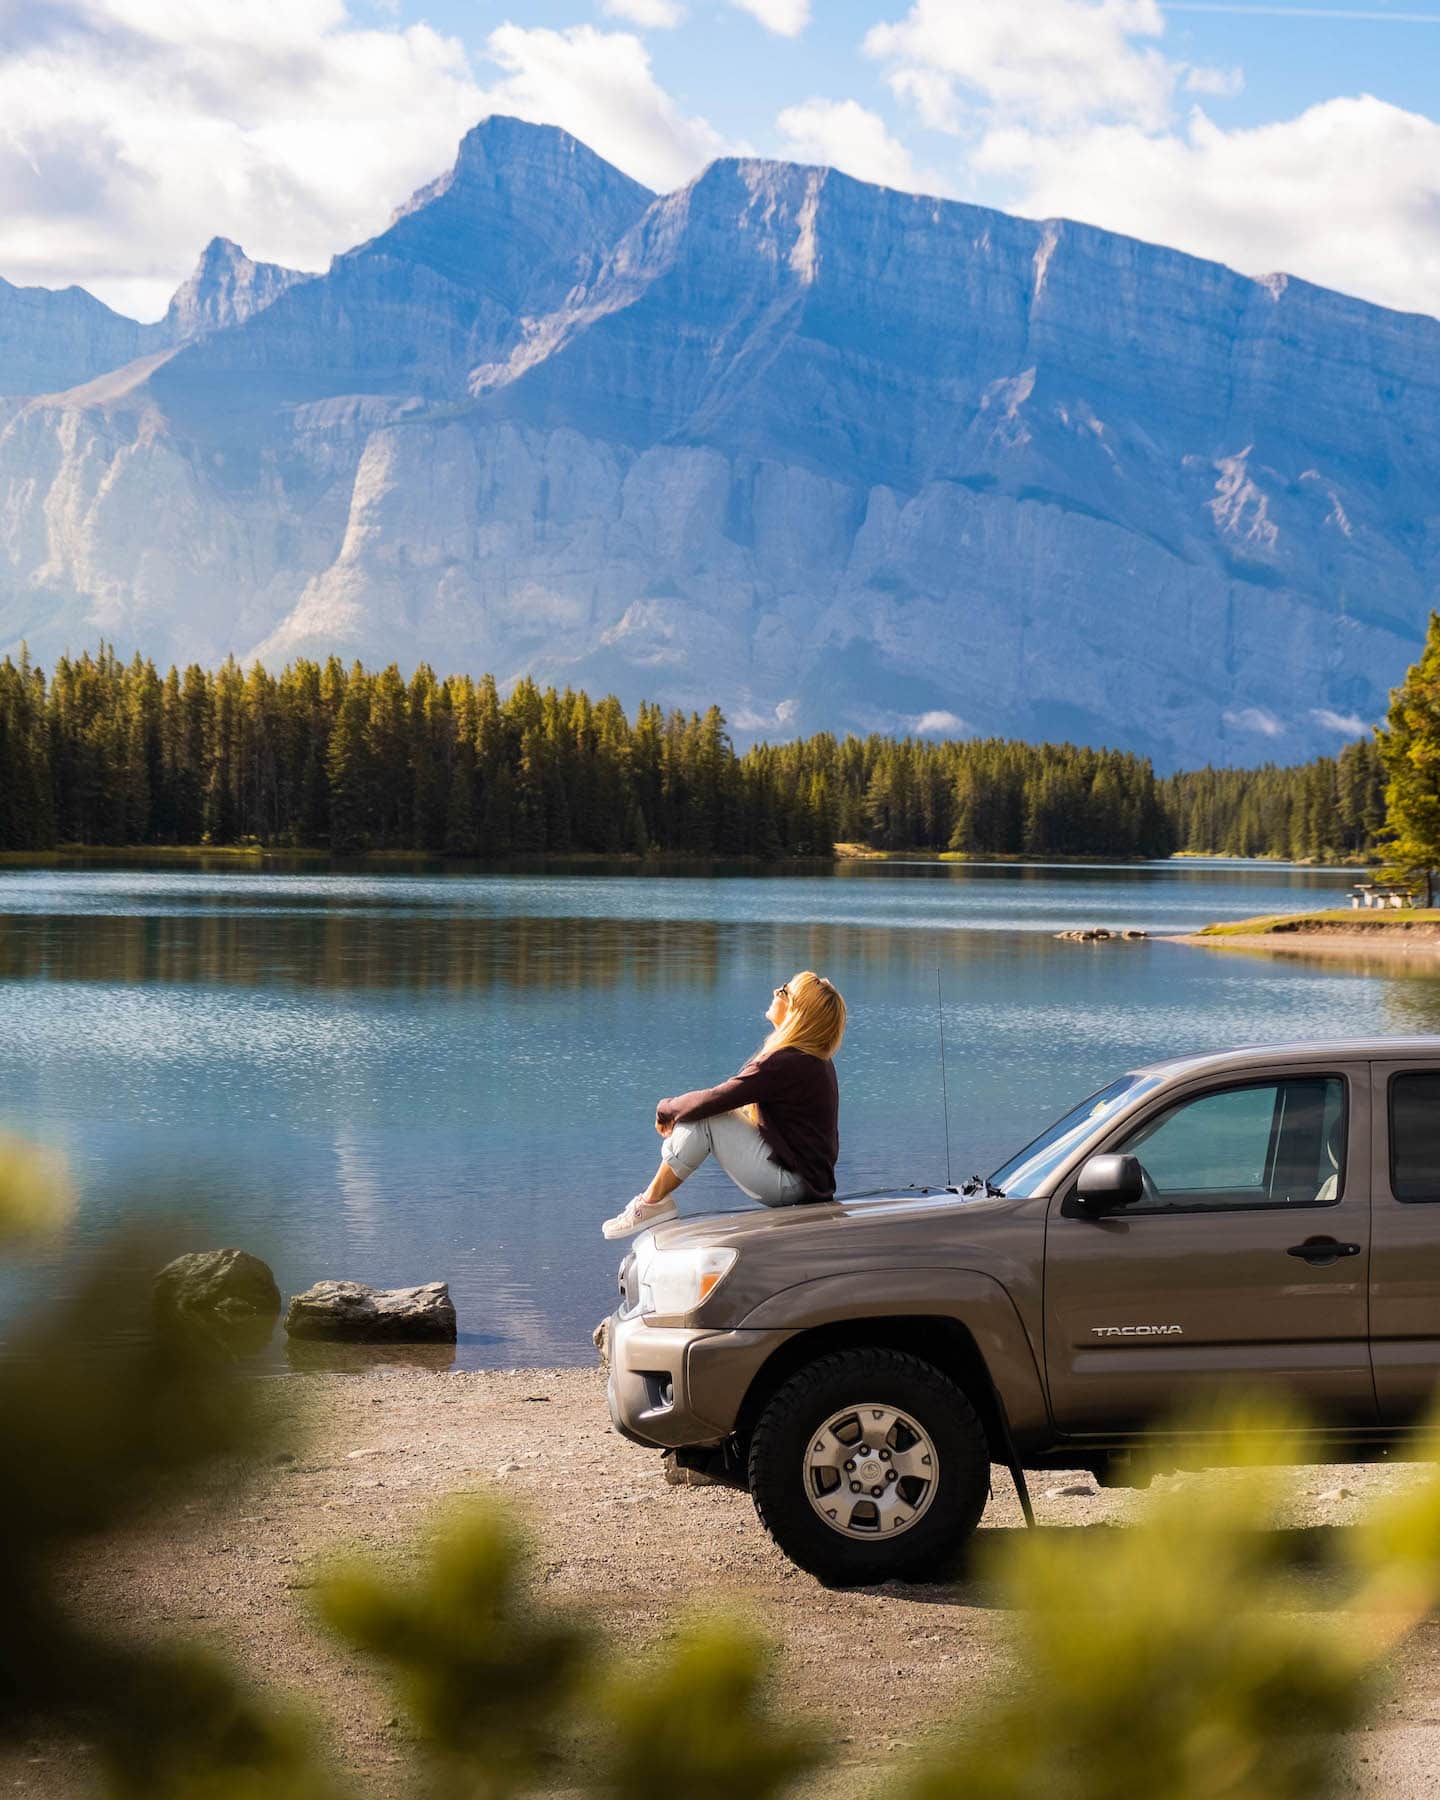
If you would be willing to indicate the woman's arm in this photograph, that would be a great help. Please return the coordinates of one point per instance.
(751, 1085)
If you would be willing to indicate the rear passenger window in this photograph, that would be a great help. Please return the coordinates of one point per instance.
(1415, 1136)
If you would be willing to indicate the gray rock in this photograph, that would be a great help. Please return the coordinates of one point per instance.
(349, 1312)
(226, 289)
(230, 1284)
(225, 1300)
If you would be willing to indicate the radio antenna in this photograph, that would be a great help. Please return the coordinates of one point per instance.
(944, 1085)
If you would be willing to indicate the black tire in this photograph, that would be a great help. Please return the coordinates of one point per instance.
(869, 1377)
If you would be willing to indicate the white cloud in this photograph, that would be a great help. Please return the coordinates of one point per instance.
(650, 15)
(599, 85)
(1349, 725)
(1346, 195)
(1051, 62)
(132, 131)
(843, 135)
(1223, 83)
(929, 724)
(1255, 718)
(787, 18)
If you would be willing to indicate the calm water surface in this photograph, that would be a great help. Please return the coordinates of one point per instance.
(408, 1076)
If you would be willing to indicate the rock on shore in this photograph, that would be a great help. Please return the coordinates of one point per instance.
(349, 1312)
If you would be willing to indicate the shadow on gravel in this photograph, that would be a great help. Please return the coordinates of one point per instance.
(1314, 1550)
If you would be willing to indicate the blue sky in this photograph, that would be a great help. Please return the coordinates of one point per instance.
(717, 63)
(1272, 137)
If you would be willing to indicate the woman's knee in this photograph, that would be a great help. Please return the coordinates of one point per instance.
(686, 1147)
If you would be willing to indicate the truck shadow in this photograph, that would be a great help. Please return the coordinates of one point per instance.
(1316, 1553)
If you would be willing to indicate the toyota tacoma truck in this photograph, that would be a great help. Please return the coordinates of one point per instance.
(1215, 1222)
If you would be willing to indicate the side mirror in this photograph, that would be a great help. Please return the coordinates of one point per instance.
(1108, 1183)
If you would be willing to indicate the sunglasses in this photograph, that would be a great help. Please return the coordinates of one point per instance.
(783, 991)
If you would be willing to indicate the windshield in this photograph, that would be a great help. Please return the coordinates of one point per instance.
(1024, 1174)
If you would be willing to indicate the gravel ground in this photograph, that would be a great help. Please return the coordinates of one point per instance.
(361, 1460)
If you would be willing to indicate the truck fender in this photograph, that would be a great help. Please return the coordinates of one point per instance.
(975, 1302)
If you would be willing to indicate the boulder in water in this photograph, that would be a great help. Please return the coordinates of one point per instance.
(349, 1312)
(224, 1297)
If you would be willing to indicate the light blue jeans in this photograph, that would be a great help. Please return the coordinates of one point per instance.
(740, 1151)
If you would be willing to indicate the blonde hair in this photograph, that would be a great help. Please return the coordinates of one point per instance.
(815, 1022)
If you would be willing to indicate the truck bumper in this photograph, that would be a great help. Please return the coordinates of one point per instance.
(680, 1386)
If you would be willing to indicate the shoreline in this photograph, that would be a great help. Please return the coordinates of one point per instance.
(63, 855)
(1388, 936)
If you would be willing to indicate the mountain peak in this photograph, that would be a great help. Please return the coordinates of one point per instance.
(510, 155)
(226, 289)
(520, 200)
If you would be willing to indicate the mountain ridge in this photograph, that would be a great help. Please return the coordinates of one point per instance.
(831, 454)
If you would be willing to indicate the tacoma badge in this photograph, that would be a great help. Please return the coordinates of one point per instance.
(1137, 1330)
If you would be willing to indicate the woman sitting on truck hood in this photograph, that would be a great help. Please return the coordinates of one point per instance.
(773, 1127)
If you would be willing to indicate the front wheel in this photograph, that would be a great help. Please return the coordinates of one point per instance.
(869, 1465)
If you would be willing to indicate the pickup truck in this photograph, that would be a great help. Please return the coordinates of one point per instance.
(1206, 1224)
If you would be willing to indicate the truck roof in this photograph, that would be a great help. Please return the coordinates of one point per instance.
(1300, 1050)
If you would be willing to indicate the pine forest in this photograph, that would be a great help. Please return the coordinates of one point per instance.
(103, 752)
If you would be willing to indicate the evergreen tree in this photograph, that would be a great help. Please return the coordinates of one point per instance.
(1410, 751)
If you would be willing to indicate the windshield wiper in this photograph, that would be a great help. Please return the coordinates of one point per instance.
(982, 1184)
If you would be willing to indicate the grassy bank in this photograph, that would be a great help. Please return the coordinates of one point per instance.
(1352, 922)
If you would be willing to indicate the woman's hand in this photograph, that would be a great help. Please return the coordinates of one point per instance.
(664, 1126)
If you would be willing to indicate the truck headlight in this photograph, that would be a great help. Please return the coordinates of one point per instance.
(674, 1282)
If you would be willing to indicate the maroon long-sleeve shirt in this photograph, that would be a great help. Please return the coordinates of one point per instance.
(798, 1098)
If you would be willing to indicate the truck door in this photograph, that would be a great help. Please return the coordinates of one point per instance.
(1246, 1261)
(1405, 1257)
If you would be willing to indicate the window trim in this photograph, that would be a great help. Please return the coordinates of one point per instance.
(1259, 1206)
(1391, 1078)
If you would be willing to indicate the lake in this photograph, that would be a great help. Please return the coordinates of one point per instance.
(428, 1074)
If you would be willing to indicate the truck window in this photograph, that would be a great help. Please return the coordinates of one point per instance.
(1266, 1143)
(1415, 1137)
(1022, 1176)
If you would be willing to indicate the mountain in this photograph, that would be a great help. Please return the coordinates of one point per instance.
(226, 289)
(52, 339)
(832, 455)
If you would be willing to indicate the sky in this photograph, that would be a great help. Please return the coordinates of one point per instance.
(1272, 137)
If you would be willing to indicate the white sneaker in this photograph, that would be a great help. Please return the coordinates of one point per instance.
(639, 1215)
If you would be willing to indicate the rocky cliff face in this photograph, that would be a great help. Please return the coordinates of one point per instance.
(51, 339)
(226, 289)
(827, 453)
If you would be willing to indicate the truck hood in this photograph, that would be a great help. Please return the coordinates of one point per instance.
(778, 1227)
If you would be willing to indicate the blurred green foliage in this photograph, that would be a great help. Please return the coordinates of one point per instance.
(1190, 1656)
(485, 1673)
(1183, 1656)
(35, 1194)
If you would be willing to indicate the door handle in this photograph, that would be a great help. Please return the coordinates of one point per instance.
(1318, 1251)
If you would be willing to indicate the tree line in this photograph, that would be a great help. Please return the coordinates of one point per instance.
(107, 752)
